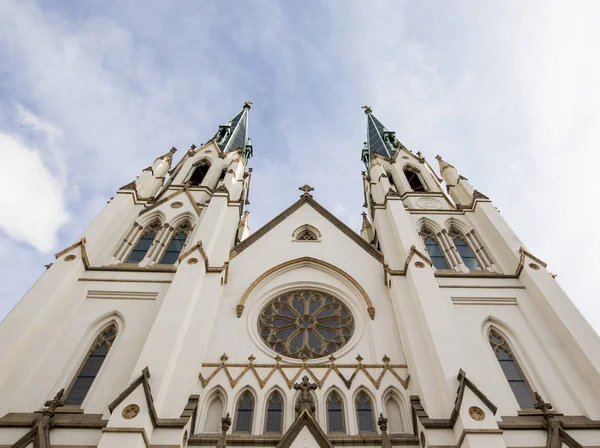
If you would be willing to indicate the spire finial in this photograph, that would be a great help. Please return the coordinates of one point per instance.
(367, 109)
(306, 189)
(173, 150)
(248, 104)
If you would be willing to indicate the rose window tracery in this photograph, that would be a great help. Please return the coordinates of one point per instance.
(305, 323)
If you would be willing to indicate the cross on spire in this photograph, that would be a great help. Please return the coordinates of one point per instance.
(306, 189)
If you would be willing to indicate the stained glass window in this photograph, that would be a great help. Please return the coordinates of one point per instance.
(274, 413)
(141, 248)
(433, 249)
(91, 366)
(176, 244)
(464, 250)
(511, 370)
(245, 411)
(335, 413)
(305, 323)
(364, 413)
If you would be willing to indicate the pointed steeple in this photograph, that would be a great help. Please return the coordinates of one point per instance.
(234, 135)
(379, 139)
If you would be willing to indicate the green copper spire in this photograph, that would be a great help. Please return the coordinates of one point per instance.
(379, 139)
(234, 135)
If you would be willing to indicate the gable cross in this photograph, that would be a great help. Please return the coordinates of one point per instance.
(305, 402)
(306, 189)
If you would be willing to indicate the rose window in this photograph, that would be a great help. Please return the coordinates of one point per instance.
(305, 323)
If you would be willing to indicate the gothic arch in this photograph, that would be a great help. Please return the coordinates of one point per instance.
(345, 409)
(458, 225)
(81, 353)
(300, 232)
(524, 363)
(356, 399)
(256, 408)
(207, 418)
(180, 219)
(429, 224)
(204, 161)
(303, 261)
(391, 393)
(410, 168)
(284, 405)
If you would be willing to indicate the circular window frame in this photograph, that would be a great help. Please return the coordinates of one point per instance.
(352, 303)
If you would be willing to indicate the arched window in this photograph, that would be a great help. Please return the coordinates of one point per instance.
(176, 244)
(414, 179)
(214, 414)
(394, 415)
(274, 421)
(464, 250)
(364, 413)
(91, 366)
(200, 172)
(434, 250)
(335, 413)
(306, 235)
(511, 369)
(244, 413)
(141, 248)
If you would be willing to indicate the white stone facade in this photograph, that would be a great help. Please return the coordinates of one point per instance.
(188, 344)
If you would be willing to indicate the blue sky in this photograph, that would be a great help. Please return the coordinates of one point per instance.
(91, 92)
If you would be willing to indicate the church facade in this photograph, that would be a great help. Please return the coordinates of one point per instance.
(170, 324)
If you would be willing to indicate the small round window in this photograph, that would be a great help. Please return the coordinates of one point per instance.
(305, 323)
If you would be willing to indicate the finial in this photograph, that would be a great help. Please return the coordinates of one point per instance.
(192, 147)
(246, 213)
(438, 158)
(225, 423)
(364, 215)
(248, 104)
(306, 189)
(541, 404)
(56, 402)
(367, 109)
(382, 422)
(173, 150)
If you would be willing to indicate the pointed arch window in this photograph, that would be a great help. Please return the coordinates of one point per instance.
(141, 248)
(306, 235)
(414, 179)
(512, 371)
(364, 413)
(91, 366)
(335, 413)
(464, 250)
(434, 250)
(244, 413)
(274, 421)
(200, 172)
(176, 244)
(392, 183)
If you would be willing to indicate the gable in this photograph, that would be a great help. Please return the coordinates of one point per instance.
(323, 212)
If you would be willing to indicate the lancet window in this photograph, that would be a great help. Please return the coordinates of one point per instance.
(512, 371)
(335, 413)
(214, 414)
(176, 244)
(91, 366)
(414, 179)
(274, 420)
(464, 250)
(244, 413)
(394, 414)
(364, 413)
(200, 172)
(141, 248)
(434, 250)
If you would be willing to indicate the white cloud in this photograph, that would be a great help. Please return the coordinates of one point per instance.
(32, 207)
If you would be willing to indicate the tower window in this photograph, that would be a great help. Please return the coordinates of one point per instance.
(91, 366)
(244, 413)
(335, 413)
(414, 180)
(141, 248)
(200, 173)
(364, 413)
(274, 413)
(433, 249)
(464, 250)
(176, 244)
(511, 369)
